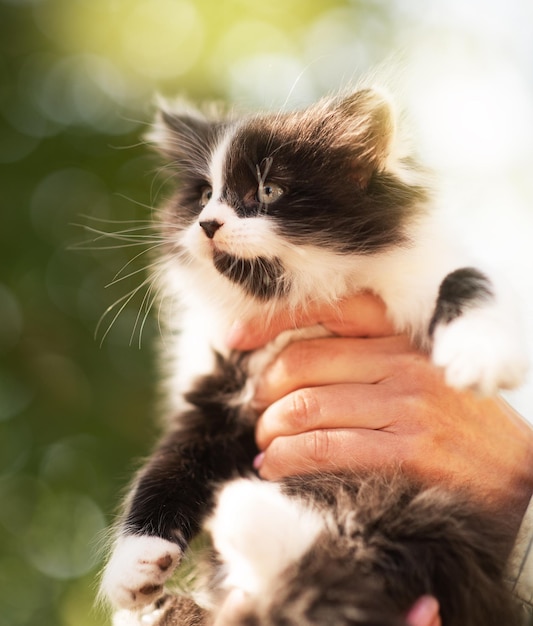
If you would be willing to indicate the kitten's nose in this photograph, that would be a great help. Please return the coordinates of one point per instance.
(210, 227)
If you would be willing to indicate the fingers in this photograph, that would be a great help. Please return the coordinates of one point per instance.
(425, 612)
(332, 407)
(329, 361)
(337, 403)
(363, 315)
(327, 450)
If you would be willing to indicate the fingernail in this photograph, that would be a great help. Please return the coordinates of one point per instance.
(258, 461)
(424, 609)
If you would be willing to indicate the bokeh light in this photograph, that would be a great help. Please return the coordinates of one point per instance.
(78, 82)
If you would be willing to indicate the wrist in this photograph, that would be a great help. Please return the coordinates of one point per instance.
(517, 490)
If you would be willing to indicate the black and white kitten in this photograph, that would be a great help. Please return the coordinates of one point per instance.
(274, 212)
(344, 550)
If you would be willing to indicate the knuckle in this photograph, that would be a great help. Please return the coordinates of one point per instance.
(414, 362)
(295, 356)
(318, 444)
(302, 410)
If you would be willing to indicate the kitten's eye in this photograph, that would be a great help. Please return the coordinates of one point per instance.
(207, 194)
(269, 193)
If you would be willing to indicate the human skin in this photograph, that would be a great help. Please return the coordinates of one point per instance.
(366, 398)
(425, 612)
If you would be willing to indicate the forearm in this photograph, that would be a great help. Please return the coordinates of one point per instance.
(520, 567)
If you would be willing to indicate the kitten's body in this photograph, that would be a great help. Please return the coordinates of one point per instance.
(346, 550)
(280, 212)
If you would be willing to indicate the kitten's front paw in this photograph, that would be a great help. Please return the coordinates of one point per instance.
(139, 567)
(152, 615)
(479, 352)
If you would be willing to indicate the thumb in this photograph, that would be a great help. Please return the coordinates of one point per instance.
(361, 315)
(424, 612)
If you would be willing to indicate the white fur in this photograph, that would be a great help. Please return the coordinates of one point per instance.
(136, 564)
(259, 531)
(218, 158)
(125, 617)
(406, 278)
(482, 350)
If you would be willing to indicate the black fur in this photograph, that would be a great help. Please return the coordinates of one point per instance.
(322, 198)
(212, 442)
(389, 541)
(330, 163)
(337, 194)
(395, 541)
(259, 277)
(460, 290)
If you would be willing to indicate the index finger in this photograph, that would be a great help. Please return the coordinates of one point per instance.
(362, 315)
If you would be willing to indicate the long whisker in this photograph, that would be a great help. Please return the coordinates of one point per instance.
(134, 273)
(106, 220)
(148, 309)
(143, 307)
(129, 235)
(113, 234)
(163, 181)
(143, 205)
(116, 278)
(126, 300)
(86, 248)
(159, 313)
(126, 232)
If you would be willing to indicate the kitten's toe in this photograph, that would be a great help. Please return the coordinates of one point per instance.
(152, 615)
(138, 569)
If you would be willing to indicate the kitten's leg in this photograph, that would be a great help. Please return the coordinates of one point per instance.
(173, 492)
(476, 336)
(170, 498)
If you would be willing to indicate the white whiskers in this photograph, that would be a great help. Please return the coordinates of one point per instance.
(134, 233)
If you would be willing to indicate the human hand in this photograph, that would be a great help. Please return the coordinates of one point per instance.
(425, 612)
(363, 315)
(350, 402)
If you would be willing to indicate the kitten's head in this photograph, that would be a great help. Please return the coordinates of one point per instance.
(278, 206)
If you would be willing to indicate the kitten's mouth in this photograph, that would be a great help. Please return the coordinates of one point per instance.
(260, 277)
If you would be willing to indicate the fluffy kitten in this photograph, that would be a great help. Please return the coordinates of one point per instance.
(346, 550)
(274, 212)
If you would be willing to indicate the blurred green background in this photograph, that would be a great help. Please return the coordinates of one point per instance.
(77, 85)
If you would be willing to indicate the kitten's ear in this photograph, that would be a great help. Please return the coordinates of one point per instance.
(368, 124)
(259, 531)
(182, 132)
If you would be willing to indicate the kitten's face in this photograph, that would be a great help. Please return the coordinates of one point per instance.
(264, 201)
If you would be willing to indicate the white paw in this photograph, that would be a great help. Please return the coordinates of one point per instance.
(139, 567)
(152, 615)
(480, 351)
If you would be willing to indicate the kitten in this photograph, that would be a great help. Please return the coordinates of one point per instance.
(273, 212)
(346, 550)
